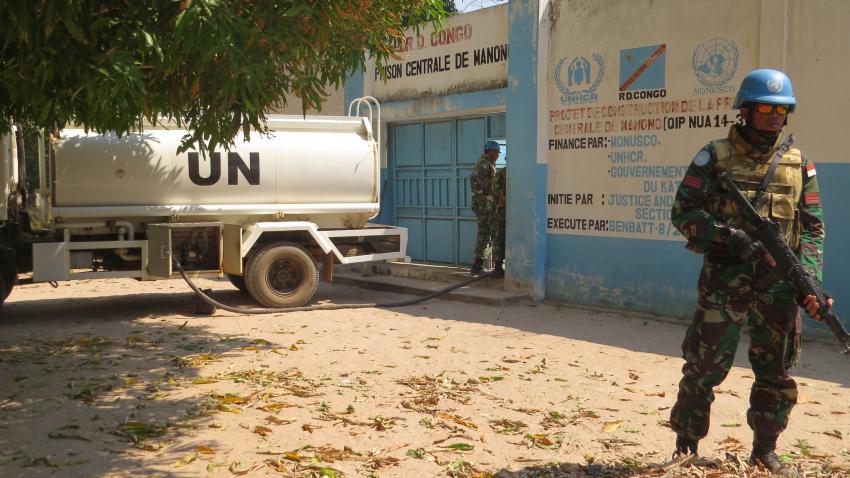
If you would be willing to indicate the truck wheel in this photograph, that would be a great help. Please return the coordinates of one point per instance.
(238, 282)
(280, 275)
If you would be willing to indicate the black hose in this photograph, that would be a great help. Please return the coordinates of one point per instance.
(262, 310)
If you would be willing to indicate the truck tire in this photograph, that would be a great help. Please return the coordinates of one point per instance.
(238, 282)
(282, 274)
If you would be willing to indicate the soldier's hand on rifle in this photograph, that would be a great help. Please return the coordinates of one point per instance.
(747, 248)
(810, 303)
(769, 259)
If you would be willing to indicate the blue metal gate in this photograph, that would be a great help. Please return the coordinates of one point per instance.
(428, 172)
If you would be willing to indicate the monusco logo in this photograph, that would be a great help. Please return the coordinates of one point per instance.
(235, 165)
(715, 62)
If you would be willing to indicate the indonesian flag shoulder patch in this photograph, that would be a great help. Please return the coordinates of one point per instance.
(810, 170)
(692, 181)
(811, 198)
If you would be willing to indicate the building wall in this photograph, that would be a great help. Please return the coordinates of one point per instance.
(645, 93)
(448, 73)
(332, 106)
(437, 75)
(607, 103)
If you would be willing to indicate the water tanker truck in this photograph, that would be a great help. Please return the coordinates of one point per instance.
(263, 213)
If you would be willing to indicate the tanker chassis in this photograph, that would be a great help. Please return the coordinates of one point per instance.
(264, 213)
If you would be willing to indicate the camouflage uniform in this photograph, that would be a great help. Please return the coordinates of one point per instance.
(734, 293)
(500, 190)
(483, 201)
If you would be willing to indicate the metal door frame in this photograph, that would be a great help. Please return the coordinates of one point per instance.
(458, 180)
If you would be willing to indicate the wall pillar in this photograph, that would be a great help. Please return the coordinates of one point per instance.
(528, 31)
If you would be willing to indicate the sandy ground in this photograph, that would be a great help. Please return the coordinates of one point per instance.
(120, 378)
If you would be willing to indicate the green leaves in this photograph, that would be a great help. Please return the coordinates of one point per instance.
(461, 446)
(418, 453)
(213, 67)
(138, 431)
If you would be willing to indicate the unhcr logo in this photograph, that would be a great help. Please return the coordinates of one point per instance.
(582, 79)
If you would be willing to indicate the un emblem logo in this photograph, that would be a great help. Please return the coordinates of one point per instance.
(774, 85)
(582, 79)
(715, 61)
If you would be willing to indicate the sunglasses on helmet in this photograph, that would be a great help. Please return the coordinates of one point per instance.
(765, 108)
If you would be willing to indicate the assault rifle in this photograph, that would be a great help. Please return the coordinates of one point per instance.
(788, 266)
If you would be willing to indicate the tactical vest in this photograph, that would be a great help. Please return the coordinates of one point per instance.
(779, 200)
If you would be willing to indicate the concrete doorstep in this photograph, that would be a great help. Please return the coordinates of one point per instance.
(424, 279)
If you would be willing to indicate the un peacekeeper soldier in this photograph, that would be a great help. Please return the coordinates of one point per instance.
(735, 288)
(482, 181)
(500, 190)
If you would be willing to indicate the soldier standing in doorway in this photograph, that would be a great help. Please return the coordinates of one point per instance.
(736, 288)
(482, 181)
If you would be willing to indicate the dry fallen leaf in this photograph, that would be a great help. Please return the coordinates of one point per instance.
(274, 407)
(457, 419)
(262, 431)
(276, 465)
(612, 425)
(732, 445)
(278, 421)
(185, 460)
(241, 468)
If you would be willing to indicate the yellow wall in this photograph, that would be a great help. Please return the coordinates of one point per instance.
(604, 187)
(333, 106)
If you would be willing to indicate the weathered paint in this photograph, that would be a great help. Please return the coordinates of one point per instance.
(353, 89)
(657, 276)
(489, 100)
(629, 108)
(816, 45)
(477, 102)
(525, 237)
(331, 106)
(466, 53)
(622, 273)
(833, 180)
(806, 39)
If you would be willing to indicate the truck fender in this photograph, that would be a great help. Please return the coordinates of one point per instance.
(255, 232)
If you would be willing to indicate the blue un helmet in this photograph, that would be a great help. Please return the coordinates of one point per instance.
(766, 86)
(490, 145)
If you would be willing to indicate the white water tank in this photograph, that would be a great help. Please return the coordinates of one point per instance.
(307, 167)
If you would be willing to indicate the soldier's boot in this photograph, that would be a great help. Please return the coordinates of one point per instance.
(685, 446)
(764, 454)
(477, 266)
